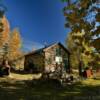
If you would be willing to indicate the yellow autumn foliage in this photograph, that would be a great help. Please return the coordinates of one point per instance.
(15, 44)
(4, 35)
(15, 40)
(10, 41)
(81, 51)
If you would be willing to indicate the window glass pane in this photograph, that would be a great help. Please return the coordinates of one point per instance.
(58, 52)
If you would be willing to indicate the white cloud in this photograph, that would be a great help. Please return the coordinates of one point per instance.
(28, 45)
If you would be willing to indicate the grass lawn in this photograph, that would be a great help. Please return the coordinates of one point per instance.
(22, 87)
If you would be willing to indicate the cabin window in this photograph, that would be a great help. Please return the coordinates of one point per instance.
(58, 52)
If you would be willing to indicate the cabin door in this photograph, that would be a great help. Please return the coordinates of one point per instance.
(66, 65)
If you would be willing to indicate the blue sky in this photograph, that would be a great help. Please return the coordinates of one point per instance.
(39, 21)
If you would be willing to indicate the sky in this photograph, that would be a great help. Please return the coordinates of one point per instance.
(39, 21)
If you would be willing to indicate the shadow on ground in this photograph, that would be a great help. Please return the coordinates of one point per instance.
(46, 90)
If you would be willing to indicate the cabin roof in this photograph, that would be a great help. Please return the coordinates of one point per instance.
(46, 47)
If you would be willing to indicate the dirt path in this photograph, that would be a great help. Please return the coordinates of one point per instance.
(21, 77)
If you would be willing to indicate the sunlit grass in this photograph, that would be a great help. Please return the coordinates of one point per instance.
(91, 81)
(22, 87)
